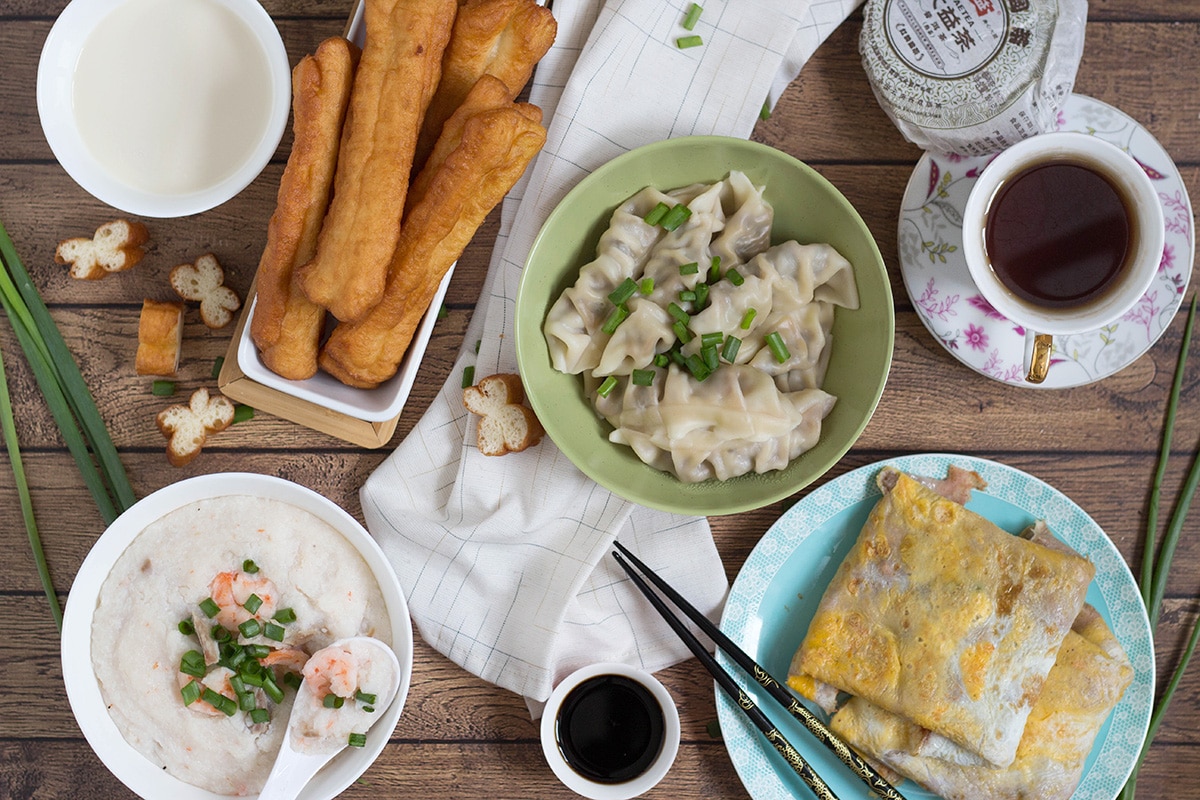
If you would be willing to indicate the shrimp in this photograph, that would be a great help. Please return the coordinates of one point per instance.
(333, 670)
(230, 590)
(288, 659)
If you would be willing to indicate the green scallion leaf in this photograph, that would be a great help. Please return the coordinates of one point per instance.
(681, 331)
(646, 285)
(709, 354)
(293, 680)
(615, 318)
(250, 628)
(712, 337)
(218, 362)
(249, 567)
(468, 376)
(656, 214)
(478, 342)
(443, 312)
(186, 627)
(687, 296)
(662, 360)
(333, 701)
(260, 716)
(625, 290)
(696, 366)
(369, 709)
(643, 377)
(364, 697)
(678, 215)
(209, 607)
(765, 111)
(190, 692)
(271, 688)
(162, 388)
(734, 277)
(692, 17)
(192, 663)
(220, 702)
(690, 268)
(220, 633)
(714, 269)
(748, 319)
(678, 313)
(274, 632)
(258, 650)
(253, 676)
(607, 386)
(357, 740)
(253, 603)
(684, 42)
(778, 349)
(730, 350)
(285, 615)
(701, 294)
(242, 413)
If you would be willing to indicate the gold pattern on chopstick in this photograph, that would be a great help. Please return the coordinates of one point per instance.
(797, 762)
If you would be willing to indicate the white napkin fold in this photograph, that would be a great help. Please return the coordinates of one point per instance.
(504, 560)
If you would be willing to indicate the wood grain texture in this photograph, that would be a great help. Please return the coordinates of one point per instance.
(459, 736)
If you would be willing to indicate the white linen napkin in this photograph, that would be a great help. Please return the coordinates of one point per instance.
(504, 561)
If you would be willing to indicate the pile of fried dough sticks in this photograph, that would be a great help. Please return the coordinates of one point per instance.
(400, 152)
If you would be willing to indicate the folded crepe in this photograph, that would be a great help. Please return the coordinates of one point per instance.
(942, 618)
(1089, 677)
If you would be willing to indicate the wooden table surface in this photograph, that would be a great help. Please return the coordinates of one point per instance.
(460, 737)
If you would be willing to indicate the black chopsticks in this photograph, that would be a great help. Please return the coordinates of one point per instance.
(867, 774)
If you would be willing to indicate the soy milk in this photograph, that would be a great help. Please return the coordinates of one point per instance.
(172, 96)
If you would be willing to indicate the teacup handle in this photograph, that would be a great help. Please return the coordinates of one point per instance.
(1038, 347)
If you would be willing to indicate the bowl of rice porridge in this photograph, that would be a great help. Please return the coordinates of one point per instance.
(190, 623)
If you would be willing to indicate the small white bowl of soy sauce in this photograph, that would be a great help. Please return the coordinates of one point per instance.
(610, 731)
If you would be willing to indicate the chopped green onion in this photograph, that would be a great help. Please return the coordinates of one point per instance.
(260, 716)
(607, 386)
(691, 268)
(443, 312)
(656, 214)
(623, 292)
(364, 697)
(697, 367)
(190, 692)
(709, 354)
(218, 362)
(778, 349)
(646, 285)
(209, 607)
(293, 680)
(220, 633)
(662, 360)
(246, 701)
(237, 656)
(765, 111)
(248, 566)
(684, 42)
(730, 350)
(615, 318)
(682, 332)
(678, 215)
(677, 357)
(692, 17)
(220, 702)
(271, 688)
(357, 740)
(242, 413)
(274, 632)
(678, 313)
(687, 296)
(701, 294)
(477, 343)
(714, 269)
(162, 388)
(369, 709)
(252, 671)
(643, 377)
(186, 627)
(713, 337)
(747, 319)
(258, 650)
(192, 663)
(333, 701)
(285, 615)
(468, 376)
(253, 603)
(250, 628)
(735, 277)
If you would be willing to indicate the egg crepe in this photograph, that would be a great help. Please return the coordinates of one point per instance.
(939, 616)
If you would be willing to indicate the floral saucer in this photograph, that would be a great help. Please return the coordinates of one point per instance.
(936, 278)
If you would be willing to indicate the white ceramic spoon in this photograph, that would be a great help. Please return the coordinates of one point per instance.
(293, 768)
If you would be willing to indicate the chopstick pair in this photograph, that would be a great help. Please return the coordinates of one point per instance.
(864, 771)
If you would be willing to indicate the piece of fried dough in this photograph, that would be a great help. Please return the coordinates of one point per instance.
(396, 77)
(488, 93)
(496, 147)
(504, 38)
(286, 326)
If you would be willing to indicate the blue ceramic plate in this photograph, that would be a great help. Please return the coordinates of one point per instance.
(778, 588)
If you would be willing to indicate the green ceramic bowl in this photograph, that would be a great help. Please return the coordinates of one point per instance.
(807, 208)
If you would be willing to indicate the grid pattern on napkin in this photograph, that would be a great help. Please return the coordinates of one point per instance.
(503, 560)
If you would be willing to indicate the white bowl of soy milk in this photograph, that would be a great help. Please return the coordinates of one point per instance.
(163, 108)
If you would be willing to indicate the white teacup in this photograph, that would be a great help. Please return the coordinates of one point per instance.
(1095, 188)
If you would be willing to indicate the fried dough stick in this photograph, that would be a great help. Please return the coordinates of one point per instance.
(496, 147)
(398, 73)
(286, 326)
(504, 38)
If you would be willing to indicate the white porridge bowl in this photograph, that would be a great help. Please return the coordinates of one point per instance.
(138, 772)
(182, 136)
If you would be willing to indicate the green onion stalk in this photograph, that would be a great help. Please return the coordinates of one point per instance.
(1156, 566)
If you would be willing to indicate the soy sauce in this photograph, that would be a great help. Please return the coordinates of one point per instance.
(610, 728)
(1059, 234)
